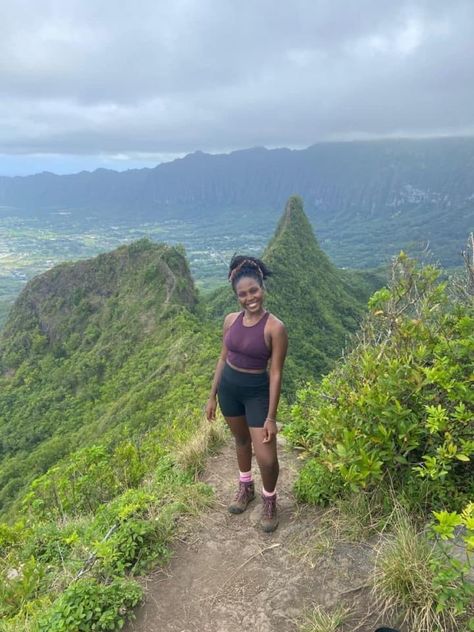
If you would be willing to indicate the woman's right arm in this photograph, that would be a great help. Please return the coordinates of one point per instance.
(212, 401)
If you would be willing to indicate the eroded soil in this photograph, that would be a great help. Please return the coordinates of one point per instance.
(227, 576)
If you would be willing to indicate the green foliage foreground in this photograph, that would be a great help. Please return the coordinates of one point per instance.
(395, 421)
(399, 409)
(69, 563)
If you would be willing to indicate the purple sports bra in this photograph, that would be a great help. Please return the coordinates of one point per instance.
(246, 345)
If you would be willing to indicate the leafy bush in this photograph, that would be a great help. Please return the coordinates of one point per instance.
(399, 409)
(421, 581)
(89, 605)
(20, 586)
(454, 589)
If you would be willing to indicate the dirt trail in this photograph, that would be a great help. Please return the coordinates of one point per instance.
(226, 576)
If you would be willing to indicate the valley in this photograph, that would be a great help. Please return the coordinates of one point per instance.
(30, 245)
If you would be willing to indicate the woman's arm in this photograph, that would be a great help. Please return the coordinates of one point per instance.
(212, 401)
(279, 340)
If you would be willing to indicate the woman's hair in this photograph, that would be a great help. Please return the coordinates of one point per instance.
(245, 266)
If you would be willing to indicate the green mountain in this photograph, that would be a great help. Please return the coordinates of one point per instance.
(368, 200)
(100, 350)
(105, 367)
(320, 304)
(116, 345)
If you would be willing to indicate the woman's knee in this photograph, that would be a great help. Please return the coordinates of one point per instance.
(242, 440)
(268, 462)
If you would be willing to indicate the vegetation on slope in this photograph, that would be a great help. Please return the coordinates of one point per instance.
(400, 406)
(106, 365)
(105, 368)
(320, 305)
(104, 349)
(393, 424)
(315, 300)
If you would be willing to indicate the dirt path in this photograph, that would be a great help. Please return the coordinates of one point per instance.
(226, 576)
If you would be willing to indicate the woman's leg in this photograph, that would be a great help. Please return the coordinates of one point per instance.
(267, 459)
(243, 442)
(243, 447)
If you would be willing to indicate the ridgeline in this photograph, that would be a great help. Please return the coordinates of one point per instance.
(368, 199)
(99, 350)
(320, 304)
(106, 366)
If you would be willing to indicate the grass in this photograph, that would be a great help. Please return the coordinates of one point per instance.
(321, 620)
(404, 584)
(355, 519)
(192, 455)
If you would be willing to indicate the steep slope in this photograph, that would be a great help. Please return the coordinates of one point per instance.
(310, 295)
(103, 349)
(319, 304)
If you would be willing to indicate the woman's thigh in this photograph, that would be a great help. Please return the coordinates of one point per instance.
(239, 428)
(266, 453)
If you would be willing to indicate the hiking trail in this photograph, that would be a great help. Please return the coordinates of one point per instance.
(227, 576)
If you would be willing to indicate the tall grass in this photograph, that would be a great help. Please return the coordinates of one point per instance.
(404, 579)
(191, 456)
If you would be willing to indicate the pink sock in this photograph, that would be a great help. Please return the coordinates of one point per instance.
(245, 477)
(268, 494)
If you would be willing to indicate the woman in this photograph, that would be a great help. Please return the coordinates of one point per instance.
(248, 393)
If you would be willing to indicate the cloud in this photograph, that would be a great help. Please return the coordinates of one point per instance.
(84, 78)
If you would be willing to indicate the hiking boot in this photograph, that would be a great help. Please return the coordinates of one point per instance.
(269, 519)
(245, 494)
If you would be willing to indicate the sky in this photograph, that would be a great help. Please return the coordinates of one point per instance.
(100, 83)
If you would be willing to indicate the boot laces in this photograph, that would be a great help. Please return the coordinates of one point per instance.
(243, 491)
(269, 506)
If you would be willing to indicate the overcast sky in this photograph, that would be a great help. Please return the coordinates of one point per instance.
(90, 83)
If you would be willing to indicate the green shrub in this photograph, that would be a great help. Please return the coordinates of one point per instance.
(20, 586)
(399, 409)
(421, 581)
(316, 484)
(453, 571)
(89, 605)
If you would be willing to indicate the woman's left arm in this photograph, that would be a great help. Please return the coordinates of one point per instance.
(279, 339)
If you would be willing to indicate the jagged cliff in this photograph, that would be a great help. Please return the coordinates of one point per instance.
(319, 304)
(96, 349)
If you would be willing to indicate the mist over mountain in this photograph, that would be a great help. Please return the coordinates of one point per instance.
(367, 199)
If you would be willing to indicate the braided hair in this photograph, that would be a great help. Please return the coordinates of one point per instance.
(246, 266)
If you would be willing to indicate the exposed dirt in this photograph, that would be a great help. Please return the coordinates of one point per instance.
(227, 576)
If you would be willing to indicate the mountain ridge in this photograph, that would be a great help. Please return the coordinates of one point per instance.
(320, 305)
(367, 199)
(311, 296)
(94, 347)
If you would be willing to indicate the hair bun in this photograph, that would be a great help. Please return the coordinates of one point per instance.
(241, 265)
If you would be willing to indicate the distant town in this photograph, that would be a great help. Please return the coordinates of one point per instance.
(32, 245)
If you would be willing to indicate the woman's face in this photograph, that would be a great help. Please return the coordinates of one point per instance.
(250, 294)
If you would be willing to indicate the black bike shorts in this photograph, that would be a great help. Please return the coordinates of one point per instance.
(244, 394)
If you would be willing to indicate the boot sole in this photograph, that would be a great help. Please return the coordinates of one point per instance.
(270, 529)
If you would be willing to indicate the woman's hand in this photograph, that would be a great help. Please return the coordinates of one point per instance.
(270, 430)
(211, 408)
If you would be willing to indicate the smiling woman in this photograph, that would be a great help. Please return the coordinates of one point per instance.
(247, 382)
